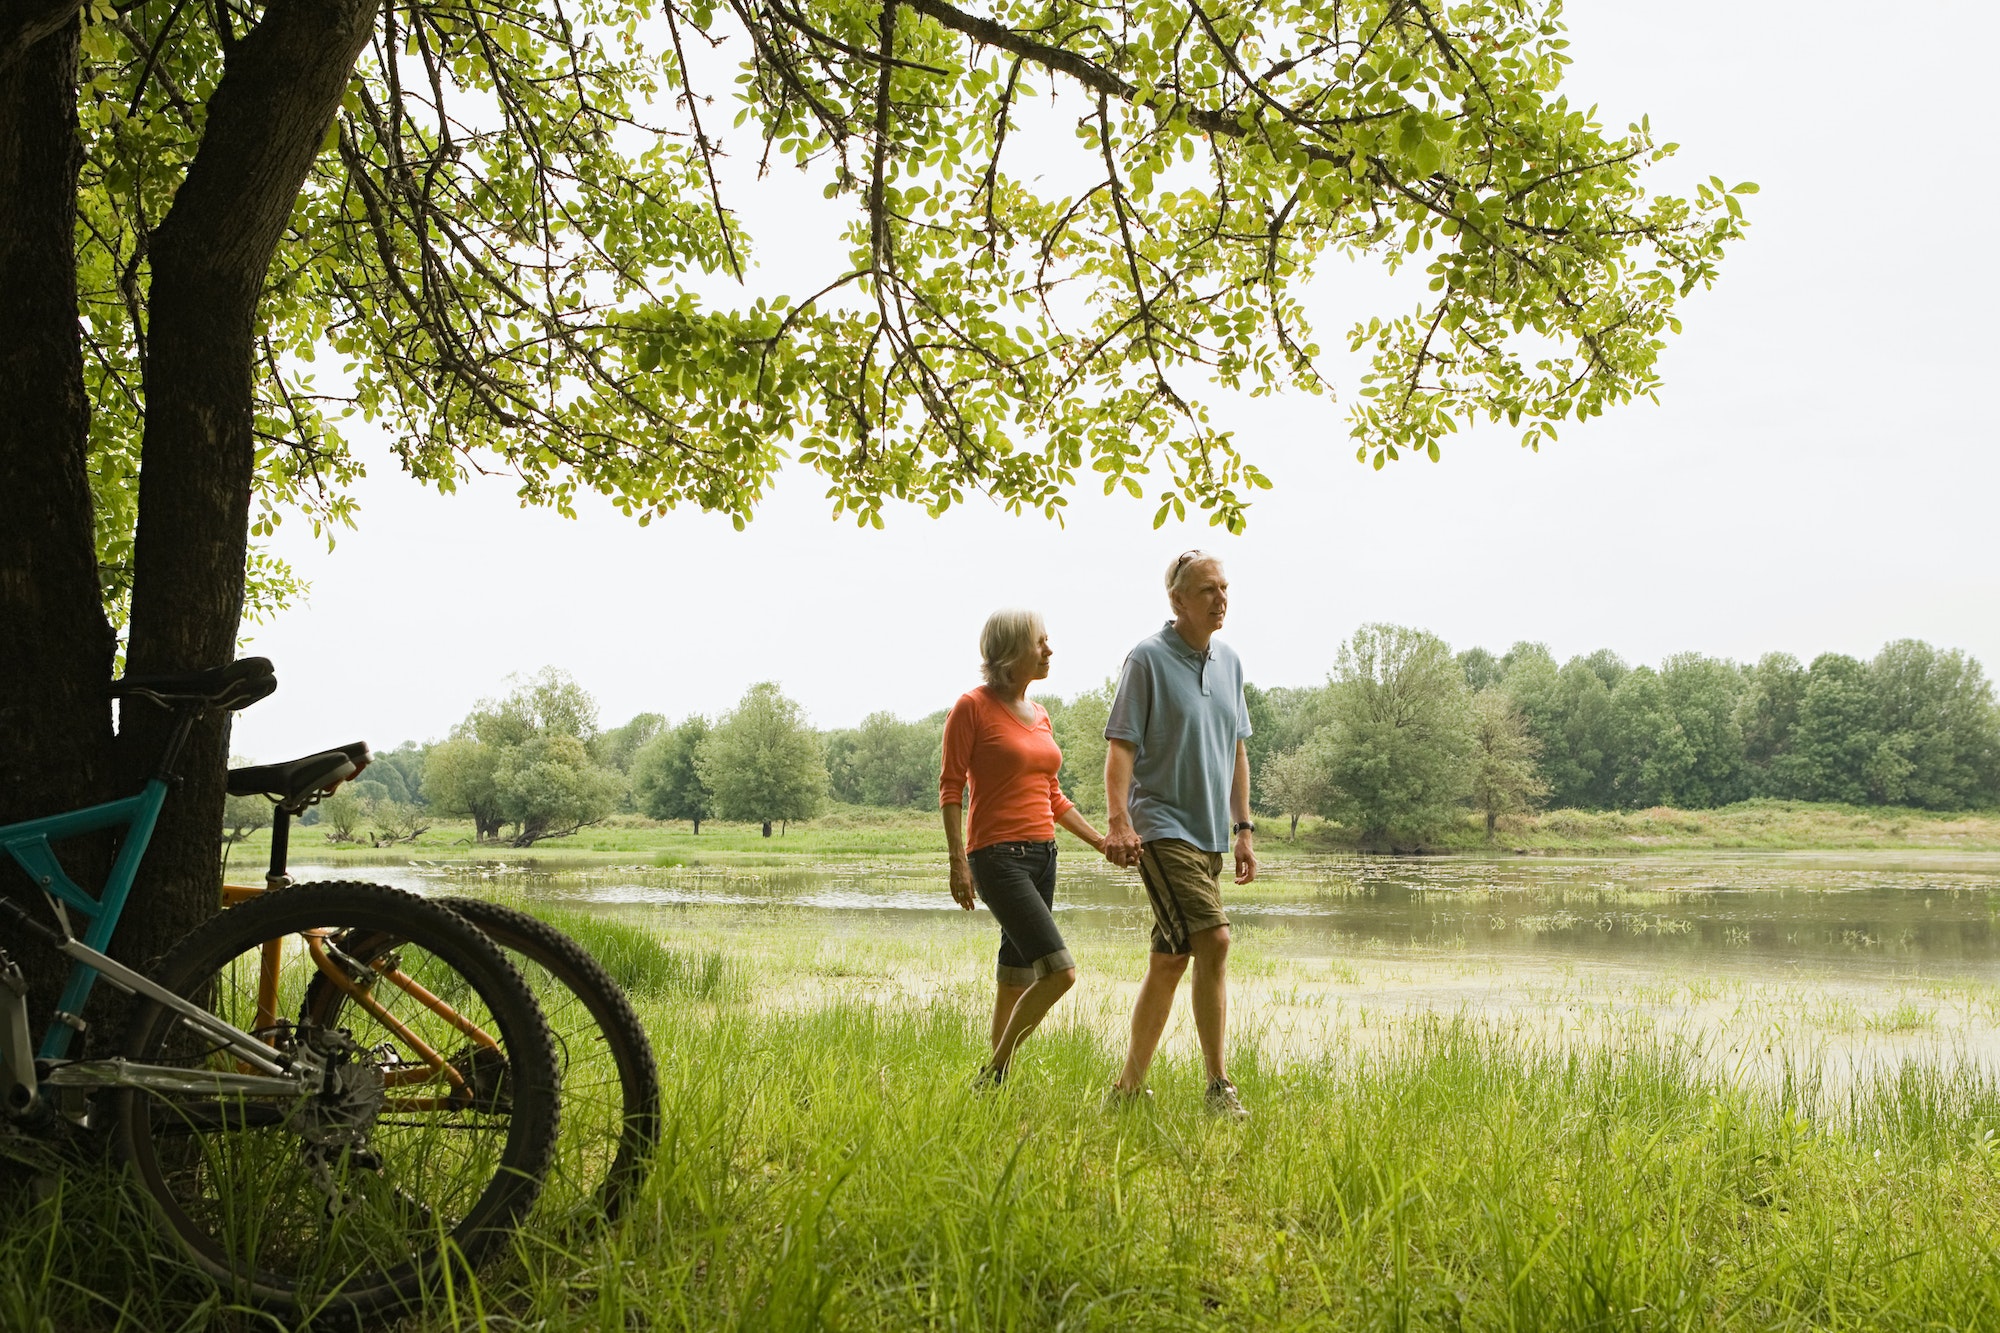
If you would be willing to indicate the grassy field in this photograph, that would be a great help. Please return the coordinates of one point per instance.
(1604, 1161)
(862, 832)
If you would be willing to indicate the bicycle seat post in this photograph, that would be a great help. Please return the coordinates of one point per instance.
(276, 875)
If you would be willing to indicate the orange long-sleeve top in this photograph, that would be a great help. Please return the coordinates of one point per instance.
(1010, 766)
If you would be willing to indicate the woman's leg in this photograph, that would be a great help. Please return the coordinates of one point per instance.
(1034, 1003)
(1005, 996)
(1031, 928)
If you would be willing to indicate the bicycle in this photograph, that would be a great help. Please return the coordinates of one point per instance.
(604, 1062)
(328, 1094)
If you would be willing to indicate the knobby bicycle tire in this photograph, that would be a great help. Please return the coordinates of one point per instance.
(598, 1113)
(427, 1141)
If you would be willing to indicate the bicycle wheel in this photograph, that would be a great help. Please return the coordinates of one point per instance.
(610, 1081)
(425, 1135)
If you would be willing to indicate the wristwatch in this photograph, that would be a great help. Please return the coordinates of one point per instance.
(1245, 827)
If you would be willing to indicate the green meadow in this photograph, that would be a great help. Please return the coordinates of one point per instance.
(1442, 1138)
(872, 833)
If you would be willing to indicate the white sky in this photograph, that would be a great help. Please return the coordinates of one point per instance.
(1816, 478)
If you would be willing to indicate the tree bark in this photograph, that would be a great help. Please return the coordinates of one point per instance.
(266, 121)
(56, 646)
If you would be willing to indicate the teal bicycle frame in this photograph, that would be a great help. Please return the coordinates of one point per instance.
(25, 1074)
(28, 844)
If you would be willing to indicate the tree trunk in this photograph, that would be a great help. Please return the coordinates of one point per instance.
(265, 123)
(56, 646)
(767, 828)
(697, 828)
(1295, 829)
(1492, 818)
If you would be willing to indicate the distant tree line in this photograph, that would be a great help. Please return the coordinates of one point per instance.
(1403, 738)
(1405, 735)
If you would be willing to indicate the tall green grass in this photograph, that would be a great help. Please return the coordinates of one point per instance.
(834, 1169)
(643, 965)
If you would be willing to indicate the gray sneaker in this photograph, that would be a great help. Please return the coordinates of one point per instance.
(1124, 1099)
(1223, 1101)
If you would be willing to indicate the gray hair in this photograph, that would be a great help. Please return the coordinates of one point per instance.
(1005, 640)
(1177, 572)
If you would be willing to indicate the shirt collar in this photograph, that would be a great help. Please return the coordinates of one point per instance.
(1172, 638)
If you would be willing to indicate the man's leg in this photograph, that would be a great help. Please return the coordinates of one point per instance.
(1006, 998)
(1149, 1016)
(1211, 996)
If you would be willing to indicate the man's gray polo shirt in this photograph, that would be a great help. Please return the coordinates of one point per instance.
(1184, 711)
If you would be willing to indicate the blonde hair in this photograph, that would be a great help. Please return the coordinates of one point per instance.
(1005, 640)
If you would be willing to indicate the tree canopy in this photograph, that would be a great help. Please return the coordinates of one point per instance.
(526, 760)
(762, 762)
(506, 249)
(665, 781)
(1400, 739)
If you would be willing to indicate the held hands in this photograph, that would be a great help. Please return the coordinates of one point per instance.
(961, 882)
(1246, 859)
(1121, 847)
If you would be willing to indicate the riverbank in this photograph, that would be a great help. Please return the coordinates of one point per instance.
(867, 833)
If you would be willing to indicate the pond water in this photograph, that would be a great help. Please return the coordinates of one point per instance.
(1789, 970)
(1861, 917)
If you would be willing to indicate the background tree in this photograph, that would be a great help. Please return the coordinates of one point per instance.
(1281, 718)
(1652, 762)
(1835, 744)
(666, 781)
(1400, 735)
(1767, 714)
(400, 821)
(525, 759)
(1936, 712)
(886, 761)
(242, 816)
(340, 815)
(1703, 694)
(387, 778)
(549, 787)
(762, 762)
(459, 777)
(1296, 782)
(1568, 711)
(616, 747)
(1079, 731)
(1504, 778)
(1482, 669)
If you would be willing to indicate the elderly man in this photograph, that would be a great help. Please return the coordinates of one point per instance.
(1177, 790)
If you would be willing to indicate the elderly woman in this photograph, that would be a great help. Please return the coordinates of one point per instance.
(998, 745)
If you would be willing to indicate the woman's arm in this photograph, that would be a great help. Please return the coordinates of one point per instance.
(954, 842)
(958, 734)
(1073, 820)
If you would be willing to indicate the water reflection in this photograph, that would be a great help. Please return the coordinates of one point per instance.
(1748, 914)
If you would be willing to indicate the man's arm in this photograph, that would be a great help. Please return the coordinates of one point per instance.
(1239, 813)
(1121, 844)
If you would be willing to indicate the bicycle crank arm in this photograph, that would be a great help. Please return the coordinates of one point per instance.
(239, 1043)
(123, 1073)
